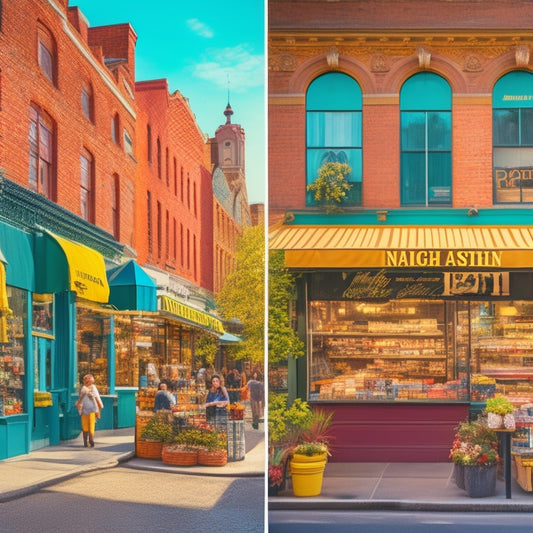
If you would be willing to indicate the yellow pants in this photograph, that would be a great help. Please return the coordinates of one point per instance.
(88, 422)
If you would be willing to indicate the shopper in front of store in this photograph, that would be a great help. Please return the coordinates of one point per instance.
(89, 405)
(216, 402)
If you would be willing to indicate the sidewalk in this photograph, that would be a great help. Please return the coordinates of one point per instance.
(26, 474)
(399, 486)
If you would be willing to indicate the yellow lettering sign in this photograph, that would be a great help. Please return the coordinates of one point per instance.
(439, 258)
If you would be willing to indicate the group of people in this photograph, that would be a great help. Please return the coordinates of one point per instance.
(217, 400)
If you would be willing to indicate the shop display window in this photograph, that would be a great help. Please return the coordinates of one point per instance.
(12, 359)
(93, 333)
(420, 350)
(502, 350)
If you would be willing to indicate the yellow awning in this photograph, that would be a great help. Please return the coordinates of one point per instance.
(87, 274)
(4, 303)
(404, 246)
(190, 314)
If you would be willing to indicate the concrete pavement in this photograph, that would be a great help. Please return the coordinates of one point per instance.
(399, 486)
(29, 473)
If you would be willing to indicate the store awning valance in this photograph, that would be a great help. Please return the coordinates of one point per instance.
(228, 338)
(190, 314)
(491, 247)
(70, 266)
(131, 288)
(17, 255)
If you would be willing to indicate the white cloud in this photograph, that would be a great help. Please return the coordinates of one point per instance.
(200, 28)
(243, 68)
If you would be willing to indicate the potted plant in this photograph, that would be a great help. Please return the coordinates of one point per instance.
(331, 186)
(500, 412)
(184, 447)
(475, 455)
(155, 433)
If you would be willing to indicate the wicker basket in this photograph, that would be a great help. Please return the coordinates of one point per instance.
(179, 456)
(523, 471)
(216, 458)
(140, 422)
(148, 449)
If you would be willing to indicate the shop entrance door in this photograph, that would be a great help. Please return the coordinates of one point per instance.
(42, 356)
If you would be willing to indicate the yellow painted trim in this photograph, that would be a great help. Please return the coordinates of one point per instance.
(287, 100)
(474, 99)
(378, 99)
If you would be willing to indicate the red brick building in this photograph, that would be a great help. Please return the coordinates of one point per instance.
(173, 186)
(429, 105)
(67, 116)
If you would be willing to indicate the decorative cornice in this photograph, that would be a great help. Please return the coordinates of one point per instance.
(30, 211)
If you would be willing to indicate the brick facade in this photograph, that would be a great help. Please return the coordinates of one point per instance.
(24, 84)
(381, 44)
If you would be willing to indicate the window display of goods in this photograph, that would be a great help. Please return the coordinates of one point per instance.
(236, 411)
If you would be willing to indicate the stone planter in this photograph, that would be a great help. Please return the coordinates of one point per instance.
(480, 481)
(459, 475)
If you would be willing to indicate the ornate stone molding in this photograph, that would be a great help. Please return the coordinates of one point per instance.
(332, 58)
(424, 58)
(522, 55)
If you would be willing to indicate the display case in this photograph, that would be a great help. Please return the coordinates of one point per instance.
(12, 359)
(93, 331)
(379, 351)
(503, 349)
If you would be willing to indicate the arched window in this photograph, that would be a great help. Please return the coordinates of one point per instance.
(426, 138)
(334, 129)
(512, 134)
(42, 138)
(46, 53)
(87, 101)
(87, 185)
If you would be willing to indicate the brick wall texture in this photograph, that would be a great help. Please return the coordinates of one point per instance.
(381, 44)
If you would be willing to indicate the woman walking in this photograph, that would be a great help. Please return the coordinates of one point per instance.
(89, 405)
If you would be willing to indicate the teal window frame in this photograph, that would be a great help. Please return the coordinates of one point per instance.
(334, 130)
(426, 141)
(512, 138)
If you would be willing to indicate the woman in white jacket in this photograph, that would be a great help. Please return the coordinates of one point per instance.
(89, 405)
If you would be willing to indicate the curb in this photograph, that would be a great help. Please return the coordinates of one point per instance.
(30, 489)
(275, 504)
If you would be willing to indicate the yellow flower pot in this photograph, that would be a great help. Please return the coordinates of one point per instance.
(307, 473)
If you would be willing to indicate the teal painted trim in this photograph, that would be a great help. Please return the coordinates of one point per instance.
(414, 217)
(513, 90)
(111, 355)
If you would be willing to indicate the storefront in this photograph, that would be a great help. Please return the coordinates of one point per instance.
(410, 328)
(16, 374)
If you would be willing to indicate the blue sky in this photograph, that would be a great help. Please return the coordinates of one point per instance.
(203, 49)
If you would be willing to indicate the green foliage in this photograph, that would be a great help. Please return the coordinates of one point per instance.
(283, 341)
(196, 437)
(243, 295)
(499, 405)
(206, 349)
(331, 185)
(297, 426)
(284, 420)
(158, 429)
(312, 448)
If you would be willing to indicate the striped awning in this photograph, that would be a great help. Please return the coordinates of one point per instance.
(322, 246)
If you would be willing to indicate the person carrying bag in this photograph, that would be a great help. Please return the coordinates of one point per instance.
(89, 405)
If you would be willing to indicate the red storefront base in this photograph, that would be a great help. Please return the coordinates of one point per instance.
(393, 432)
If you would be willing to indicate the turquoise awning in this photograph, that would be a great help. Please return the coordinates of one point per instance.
(131, 288)
(17, 255)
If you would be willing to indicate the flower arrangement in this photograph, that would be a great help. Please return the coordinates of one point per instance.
(157, 429)
(312, 448)
(331, 185)
(474, 444)
(499, 405)
(195, 437)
